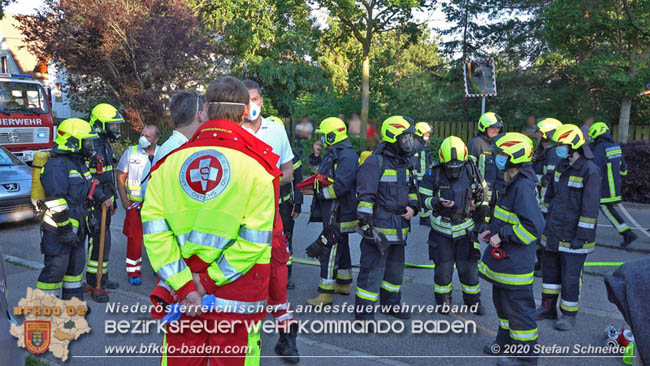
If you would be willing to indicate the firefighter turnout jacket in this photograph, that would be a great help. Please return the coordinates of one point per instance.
(519, 222)
(609, 158)
(339, 163)
(385, 187)
(210, 209)
(66, 182)
(573, 200)
(456, 221)
(479, 148)
(544, 164)
(103, 166)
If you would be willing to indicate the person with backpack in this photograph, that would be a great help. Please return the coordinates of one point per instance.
(456, 194)
(387, 194)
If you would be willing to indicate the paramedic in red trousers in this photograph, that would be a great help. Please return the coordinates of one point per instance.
(188, 112)
(208, 223)
(275, 136)
(570, 234)
(515, 227)
(132, 172)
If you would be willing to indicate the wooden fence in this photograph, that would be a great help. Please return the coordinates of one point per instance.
(467, 130)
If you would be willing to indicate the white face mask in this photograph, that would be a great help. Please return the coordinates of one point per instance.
(143, 142)
(254, 112)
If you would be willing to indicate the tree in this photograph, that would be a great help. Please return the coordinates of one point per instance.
(270, 41)
(609, 44)
(133, 53)
(3, 6)
(364, 19)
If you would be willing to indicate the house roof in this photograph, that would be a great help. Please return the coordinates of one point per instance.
(13, 41)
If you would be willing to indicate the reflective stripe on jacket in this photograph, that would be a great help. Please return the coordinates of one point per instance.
(609, 159)
(385, 191)
(519, 222)
(339, 162)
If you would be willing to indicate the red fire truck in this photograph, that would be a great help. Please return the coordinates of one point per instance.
(26, 123)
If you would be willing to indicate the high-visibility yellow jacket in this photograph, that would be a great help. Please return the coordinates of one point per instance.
(210, 209)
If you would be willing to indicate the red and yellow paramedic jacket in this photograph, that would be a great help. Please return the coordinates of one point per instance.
(210, 209)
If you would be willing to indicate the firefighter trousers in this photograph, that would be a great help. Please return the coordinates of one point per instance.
(239, 346)
(611, 212)
(133, 232)
(517, 325)
(288, 222)
(380, 278)
(63, 268)
(336, 267)
(562, 276)
(444, 252)
(94, 228)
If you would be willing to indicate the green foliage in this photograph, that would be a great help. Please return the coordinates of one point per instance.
(32, 360)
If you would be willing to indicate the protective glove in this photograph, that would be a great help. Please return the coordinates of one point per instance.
(69, 238)
(577, 244)
(321, 246)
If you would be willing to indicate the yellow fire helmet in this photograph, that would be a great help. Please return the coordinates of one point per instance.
(276, 120)
(518, 147)
(489, 119)
(568, 134)
(333, 129)
(597, 129)
(74, 135)
(547, 127)
(452, 148)
(105, 118)
(421, 128)
(395, 126)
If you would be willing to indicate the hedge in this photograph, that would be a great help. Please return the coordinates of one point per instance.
(636, 184)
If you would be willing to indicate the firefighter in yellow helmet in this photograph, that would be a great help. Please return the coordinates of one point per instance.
(105, 121)
(335, 207)
(67, 182)
(609, 158)
(489, 125)
(508, 262)
(544, 163)
(456, 195)
(387, 194)
(570, 233)
(421, 161)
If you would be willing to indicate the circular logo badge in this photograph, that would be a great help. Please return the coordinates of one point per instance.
(205, 175)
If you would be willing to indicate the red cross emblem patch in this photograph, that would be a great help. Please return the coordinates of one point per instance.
(205, 175)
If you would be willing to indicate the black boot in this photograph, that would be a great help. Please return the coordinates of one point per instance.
(548, 310)
(480, 309)
(628, 237)
(444, 306)
(287, 347)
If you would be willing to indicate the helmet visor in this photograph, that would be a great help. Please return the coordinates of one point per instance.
(113, 130)
(407, 143)
(454, 168)
(88, 146)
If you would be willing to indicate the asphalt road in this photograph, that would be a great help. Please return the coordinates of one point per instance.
(20, 244)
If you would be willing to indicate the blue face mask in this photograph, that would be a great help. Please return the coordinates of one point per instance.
(501, 161)
(322, 139)
(562, 152)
